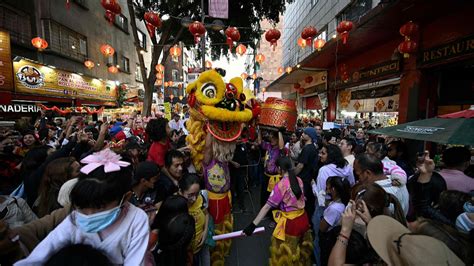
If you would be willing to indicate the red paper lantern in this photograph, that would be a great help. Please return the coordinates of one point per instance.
(166, 84)
(408, 30)
(343, 28)
(112, 8)
(318, 44)
(39, 43)
(309, 33)
(260, 58)
(197, 29)
(160, 68)
(208, 64)
(159, 82)
(175, 52)
(153, 19)
(297, 86)
(89, 64)
(107, 50)
(407, 47)
(272, 36)
(244, 76)
(308, 79)
(288, 69)
(302, 43)
(301, 90)
(280, 70)
(233, 35)
(159, 75)
(113, 69)
(241, 49)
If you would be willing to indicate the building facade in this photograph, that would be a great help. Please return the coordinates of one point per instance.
(74, 34)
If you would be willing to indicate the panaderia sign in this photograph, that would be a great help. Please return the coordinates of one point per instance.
(19, 108)
(34, 78)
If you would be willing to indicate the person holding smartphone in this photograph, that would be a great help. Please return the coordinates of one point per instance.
(424, 188)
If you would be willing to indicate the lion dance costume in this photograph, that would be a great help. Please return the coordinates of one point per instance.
(217, 108)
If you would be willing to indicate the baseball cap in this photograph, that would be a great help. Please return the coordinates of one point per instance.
(311, 132)
(396, 245)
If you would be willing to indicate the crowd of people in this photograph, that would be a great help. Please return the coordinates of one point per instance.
(127, 192)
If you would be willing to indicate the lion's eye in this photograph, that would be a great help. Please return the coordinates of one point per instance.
(209, 90)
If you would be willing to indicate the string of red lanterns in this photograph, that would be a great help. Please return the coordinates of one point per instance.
(408, 46)
(241, 49)
(197, 29)
(309, 33)
(153, 21)
(68, 110)
(319, 44)
(272, 36)
(89, 64)
(112, 8)
(107, 50)
(260, 58)
(175, 52)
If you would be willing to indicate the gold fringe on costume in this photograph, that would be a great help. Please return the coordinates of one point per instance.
(294, 251)
(222, 248)
(196, 139)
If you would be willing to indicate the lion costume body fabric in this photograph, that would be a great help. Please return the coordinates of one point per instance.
(217, 108)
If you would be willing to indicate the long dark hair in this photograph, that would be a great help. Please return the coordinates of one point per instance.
(335, 156)
(286, 165)
(156, 129)
(342, 187)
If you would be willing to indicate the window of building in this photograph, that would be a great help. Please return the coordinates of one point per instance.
(355, 10)
(122, 22)
(138, 73)
(323, 33)
(113, 60)
(142, 39)
(18, 24)
(175, 75)
(64, 40)
(125, 65)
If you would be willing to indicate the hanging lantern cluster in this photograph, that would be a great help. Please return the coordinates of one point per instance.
(343, 29)
(160, 73)
(241, 49)
(260, 58)
(39, 43)
(197, 29)
(153, 21)
(89, 64)
(309, 33)
(107, 50)
(408, 46)
(318, 44)
(175, 52)
(112, 8)
(233, 35)
(272, 36)
(160, 68)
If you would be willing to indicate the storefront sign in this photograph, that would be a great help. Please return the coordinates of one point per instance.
(420, 130)
(384, 99)
(371, 73)
(460, 47)
(34, 78)
(19, 108)
(6, 69)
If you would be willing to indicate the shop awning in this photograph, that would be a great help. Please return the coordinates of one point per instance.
(286, 81)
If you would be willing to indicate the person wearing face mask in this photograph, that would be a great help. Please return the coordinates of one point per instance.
(102, 216)
(197, 206)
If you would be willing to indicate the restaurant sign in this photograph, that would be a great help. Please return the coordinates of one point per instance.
(460, 47)
(38, 79)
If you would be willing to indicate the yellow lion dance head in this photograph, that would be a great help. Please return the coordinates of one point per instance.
(218, 108)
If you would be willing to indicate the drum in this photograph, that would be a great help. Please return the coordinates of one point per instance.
(278, 113)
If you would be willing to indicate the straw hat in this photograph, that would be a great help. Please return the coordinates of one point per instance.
(395, 244)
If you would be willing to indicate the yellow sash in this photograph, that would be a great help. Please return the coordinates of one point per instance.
(280, 218)
(219, 196)
(272, 181)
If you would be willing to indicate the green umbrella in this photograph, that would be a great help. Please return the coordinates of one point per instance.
(456, 128)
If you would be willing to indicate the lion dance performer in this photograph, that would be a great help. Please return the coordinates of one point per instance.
(217, 114)
(291, 241)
